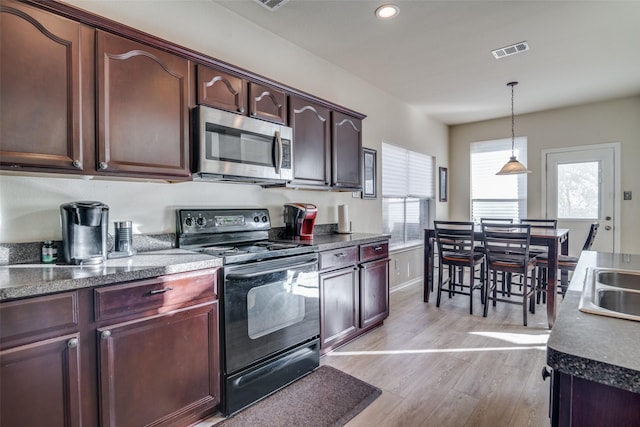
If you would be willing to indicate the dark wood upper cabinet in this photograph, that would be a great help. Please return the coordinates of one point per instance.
(346, 152)
(311, 125)
(267, 103)
(221, 90)
(225, 91)
(43, 91)
(142, 109)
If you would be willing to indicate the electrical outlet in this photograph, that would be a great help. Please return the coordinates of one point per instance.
(626, 195)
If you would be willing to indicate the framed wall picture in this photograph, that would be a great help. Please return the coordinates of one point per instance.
(369, 173)
(443, 179)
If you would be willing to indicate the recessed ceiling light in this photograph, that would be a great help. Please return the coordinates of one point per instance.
(387, 11)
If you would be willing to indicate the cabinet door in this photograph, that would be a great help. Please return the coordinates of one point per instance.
(267, 103)
(160, 369)
(39, 384)
(311, 142)
(143, 109)
(218, 89)
(338, 306)
(41, 89)
(374, 292)
(346, 152)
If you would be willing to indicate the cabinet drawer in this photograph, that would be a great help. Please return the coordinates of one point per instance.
(38, 317)
(338, 258)
(373, 251)
(155, 295)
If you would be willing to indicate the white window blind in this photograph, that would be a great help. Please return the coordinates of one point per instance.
(407, 186)
(497, 196)
(406, 173)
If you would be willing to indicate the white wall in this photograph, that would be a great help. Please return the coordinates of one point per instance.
(29, 208)
(603, 122)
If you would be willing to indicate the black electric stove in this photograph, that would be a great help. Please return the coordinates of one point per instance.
(269, 301)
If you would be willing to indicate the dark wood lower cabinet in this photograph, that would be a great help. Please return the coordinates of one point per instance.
(141, 353)
(578, 402)
(339, 305)
(40, 383)
(159, 370)
(374, 293)
(354, 296)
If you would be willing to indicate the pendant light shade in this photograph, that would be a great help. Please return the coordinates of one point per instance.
(513, 166)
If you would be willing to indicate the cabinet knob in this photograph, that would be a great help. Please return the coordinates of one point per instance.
(103, 165)
(545, 373)
(72, 343)
(241, 110)
(105, 335)
(77, 164)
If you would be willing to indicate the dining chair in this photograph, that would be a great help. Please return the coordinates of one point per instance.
(507, 250)
(548, 223)
(456, 248)
(566, 263)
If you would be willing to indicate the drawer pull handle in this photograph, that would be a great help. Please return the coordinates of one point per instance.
(105, 335)
(340, 255)
(160, 291)
(377, 248)
(72, 343)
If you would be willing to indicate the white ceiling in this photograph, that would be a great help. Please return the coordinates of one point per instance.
(436, 55)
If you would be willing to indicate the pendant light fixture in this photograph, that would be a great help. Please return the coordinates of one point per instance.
(513, 166)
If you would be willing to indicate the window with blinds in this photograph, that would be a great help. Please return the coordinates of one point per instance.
(407, 186)
(497, 196)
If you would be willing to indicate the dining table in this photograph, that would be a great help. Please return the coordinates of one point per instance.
(556, 240)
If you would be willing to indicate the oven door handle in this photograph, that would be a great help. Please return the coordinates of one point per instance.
(260, 272)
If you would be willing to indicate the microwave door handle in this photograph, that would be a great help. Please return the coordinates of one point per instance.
(279, 153)
(261, 272)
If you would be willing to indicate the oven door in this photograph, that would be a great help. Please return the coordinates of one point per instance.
(269, 307)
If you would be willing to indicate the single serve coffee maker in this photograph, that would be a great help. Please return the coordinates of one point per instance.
(84, 232)
(299, 220)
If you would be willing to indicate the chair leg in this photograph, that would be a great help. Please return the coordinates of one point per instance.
(487, 289)
(472, 272)
(439, 286)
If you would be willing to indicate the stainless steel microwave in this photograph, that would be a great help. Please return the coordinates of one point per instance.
(232, 147)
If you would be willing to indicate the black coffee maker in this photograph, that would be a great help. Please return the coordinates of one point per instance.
(84, 232)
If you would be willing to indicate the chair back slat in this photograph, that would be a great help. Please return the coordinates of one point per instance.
(540, 223)
(507, 243)
(496, 220)
(454, 236)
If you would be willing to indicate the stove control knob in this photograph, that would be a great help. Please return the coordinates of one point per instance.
(256, 219)
(265, 219)
(201, 221)
(188, 222)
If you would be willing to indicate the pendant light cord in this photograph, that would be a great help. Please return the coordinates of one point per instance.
(513, 126)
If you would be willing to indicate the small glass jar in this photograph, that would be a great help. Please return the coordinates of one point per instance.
(49, 252)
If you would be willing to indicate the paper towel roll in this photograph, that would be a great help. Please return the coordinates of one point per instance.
(344, 226)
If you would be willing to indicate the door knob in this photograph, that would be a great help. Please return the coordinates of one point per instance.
(607, 218)
(608, 227)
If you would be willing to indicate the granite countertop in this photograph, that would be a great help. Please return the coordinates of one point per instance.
(594, 347)
(27, 280)
(325, 242)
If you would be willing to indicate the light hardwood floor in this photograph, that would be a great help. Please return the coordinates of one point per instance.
(444, 367)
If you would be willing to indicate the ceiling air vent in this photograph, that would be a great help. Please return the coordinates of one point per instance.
(272, 5)
(510, 50)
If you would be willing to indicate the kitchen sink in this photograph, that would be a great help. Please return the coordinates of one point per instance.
(613, 293)
(620, 279)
